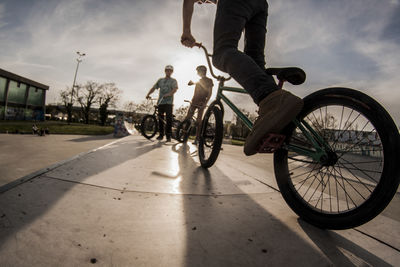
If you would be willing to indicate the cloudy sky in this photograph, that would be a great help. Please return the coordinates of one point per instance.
(351, 43)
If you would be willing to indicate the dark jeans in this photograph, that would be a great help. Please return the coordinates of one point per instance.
(167, 109)
(248, 67)
(200, 110)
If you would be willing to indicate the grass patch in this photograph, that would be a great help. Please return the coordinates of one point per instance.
(55, 127)
(237, 142)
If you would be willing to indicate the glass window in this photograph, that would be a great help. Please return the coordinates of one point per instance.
(15, 113)
(16, 92)
(2, 88)
(28, 114)
(35, 97)
(2, 112)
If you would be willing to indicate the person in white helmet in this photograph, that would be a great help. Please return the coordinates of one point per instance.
(168, 87)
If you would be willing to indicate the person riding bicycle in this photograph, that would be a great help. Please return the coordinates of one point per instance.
(202, 94)
(168, 87)
(276, 107)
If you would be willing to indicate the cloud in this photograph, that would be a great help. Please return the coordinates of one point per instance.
(339, 43)
(2, 22)
(353, 44)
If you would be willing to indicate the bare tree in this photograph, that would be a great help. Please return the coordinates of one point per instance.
(88, 95)
(109, 96)
(130, 107)
(65, 96)
(145, 106)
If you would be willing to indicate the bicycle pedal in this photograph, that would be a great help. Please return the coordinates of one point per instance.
(271, 143)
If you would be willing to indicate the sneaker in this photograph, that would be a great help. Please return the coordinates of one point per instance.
(160, 137)
(276, 111)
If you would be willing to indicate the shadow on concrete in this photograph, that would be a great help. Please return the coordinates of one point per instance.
(340, 250)
(221, 229)
(35, 202)
(238, 230)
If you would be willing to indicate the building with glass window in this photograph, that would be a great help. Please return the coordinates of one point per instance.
(21, 98)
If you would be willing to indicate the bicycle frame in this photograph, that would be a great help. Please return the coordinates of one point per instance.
(155, 113)
(319, 144)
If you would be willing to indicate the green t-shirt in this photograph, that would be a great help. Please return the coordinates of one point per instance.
(165, 85)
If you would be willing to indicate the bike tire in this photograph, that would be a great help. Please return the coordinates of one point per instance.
(149, 126)
(183, 131)
(366, 175)
(211, 135)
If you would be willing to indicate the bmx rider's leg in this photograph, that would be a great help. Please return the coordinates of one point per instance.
(276, 107)
(231, 18)
(161, 111)
(198, 121)
(190, 112)
(168, 111)
(254, 38)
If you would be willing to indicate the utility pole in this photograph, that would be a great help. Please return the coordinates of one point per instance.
(79, 60)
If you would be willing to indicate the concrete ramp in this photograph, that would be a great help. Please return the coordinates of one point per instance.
(122, 127)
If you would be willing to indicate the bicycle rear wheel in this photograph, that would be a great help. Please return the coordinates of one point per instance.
(149, 126)
(361, 174)
(183, 131)
(211, 134)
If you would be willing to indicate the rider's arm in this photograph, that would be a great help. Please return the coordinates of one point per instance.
(208, 96)
(150, 92)
(174, 91)
(187, 38)
(155, 86)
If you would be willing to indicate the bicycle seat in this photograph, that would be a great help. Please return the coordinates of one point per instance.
(293, 75)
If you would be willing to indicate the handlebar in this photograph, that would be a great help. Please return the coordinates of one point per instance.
(219, 78)
(155, 99)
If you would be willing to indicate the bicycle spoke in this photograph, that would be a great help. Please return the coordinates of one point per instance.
(346, 180)
(301, 160)
(337, 192)
(347, 195)
(322, 192)
(358, 179)
(306, 179)
(357, 168)
(321, 182)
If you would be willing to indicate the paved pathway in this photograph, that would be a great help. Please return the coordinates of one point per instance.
(21, 155)
(142, 203)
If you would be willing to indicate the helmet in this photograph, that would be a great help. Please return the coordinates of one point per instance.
(169, 67)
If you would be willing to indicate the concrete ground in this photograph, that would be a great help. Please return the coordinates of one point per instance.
(141, 203)
(21, 155)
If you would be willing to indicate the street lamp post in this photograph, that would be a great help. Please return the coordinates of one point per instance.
(79, 60)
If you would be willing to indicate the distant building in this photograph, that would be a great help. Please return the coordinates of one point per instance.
(21, 98)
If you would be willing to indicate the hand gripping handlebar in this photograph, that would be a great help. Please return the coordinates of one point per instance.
(219, 78)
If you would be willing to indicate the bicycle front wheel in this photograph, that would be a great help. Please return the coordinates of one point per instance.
(149, 126)
(361, 174)
(211, 135)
